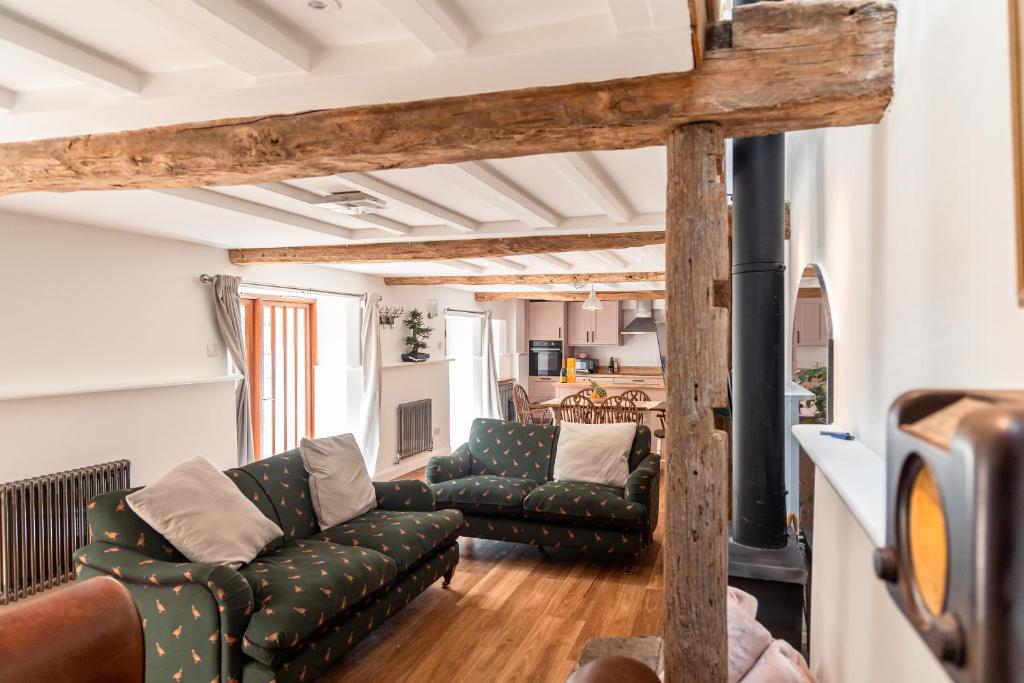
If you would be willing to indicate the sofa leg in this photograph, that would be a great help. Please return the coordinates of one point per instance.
(627, 568)
(446, 581)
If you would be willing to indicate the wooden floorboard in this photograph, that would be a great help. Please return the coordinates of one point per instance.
(512, 614)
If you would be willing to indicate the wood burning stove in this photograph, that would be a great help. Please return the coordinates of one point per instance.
(954, 555)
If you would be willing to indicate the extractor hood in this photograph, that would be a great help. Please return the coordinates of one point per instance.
(643, 321)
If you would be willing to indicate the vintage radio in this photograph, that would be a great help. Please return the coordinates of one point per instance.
(954, 554)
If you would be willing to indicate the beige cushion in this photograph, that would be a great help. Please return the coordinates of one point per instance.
(339, 485)
(594, 454)
(202, 513)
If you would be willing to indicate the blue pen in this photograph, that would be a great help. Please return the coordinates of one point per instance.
(845, 436)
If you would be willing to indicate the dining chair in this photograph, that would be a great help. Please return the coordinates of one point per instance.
(616, 409)
(576, 408)
(526, 411)
(636, 395)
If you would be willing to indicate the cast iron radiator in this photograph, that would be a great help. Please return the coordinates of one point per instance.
(42, 522)
(505, 399)
(414, 428)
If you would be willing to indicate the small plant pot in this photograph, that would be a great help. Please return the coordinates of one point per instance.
(415, 357)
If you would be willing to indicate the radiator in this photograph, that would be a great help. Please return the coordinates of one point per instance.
(415, 427)
(42, 523)
(505, 400)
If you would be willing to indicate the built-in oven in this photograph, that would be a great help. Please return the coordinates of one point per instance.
(545, 358)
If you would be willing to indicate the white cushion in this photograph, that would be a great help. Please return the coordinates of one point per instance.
(202, 513)
(339, 485)
(594, 454)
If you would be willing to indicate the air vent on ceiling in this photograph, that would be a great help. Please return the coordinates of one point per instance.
(352, 202)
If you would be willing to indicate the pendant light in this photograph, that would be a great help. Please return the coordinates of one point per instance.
(592, 303)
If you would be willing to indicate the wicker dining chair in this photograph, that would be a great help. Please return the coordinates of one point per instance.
(619, 409)
(577, 408)
(526, 411)
(636, 395)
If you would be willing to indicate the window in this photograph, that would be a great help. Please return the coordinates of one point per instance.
(280, 339)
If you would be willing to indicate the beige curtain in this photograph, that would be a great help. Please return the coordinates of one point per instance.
(490, 403)
(368, 433)
(227, 306)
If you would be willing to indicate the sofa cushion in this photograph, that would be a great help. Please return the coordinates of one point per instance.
(592, 505)
(484, 494)
(339, 485)
(188, 506)
(511, 449)
(405, 537)
(286, 482)
(594, 453)
(303, 586)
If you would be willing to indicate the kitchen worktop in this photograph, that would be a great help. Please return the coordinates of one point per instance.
(636, 370)
(582, 383)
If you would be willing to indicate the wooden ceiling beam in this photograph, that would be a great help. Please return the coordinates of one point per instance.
(792, 65)
(531, 279)
(622, 295)
(439, 250)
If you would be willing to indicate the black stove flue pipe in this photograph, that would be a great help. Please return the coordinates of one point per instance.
(758, 315)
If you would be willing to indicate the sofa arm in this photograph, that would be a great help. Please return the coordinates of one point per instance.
(447, 467)
(404, 494)
(642, 487)
(193, 615)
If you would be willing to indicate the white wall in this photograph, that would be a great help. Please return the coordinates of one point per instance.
(88, 307)
(912, 221)
(856, 632)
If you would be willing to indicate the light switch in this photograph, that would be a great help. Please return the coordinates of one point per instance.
(211, 350)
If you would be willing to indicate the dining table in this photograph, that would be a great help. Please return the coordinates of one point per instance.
(554, 405)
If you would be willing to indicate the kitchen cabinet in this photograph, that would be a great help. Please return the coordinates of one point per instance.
(594, 328)
(542, 388)
(809, 323)
(546, 320)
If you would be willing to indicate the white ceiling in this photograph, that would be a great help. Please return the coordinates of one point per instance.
(70, 67)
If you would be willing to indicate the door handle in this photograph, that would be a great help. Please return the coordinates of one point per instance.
(559, 332)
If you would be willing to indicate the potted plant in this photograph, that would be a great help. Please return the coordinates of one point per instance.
(417, 338)
(814, 380)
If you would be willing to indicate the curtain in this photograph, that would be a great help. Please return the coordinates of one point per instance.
(369, 409)
(490, 404)
(227, 306)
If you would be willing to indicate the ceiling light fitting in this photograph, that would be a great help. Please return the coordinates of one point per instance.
(353, 202)
(324, 4)
(592, 303)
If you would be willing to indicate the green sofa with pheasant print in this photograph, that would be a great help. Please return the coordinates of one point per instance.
(300, 605)
(501, 481)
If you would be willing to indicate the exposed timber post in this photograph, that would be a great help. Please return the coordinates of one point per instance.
(697, 256)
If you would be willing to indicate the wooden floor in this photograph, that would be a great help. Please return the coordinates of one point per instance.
(511, 614)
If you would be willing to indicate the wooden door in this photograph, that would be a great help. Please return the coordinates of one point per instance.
(580, 325)
(809, 323)
(281, 354)
(605, 330)
(546, 320)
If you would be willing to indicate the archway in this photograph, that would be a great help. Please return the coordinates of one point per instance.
(812, 347)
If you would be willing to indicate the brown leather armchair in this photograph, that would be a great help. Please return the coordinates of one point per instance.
(87, 632)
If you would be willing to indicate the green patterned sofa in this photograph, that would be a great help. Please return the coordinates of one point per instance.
(295, 609)
(501, 481)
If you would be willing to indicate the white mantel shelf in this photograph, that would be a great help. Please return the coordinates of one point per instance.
(855, 471)
(403, 364)
(106, 388)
